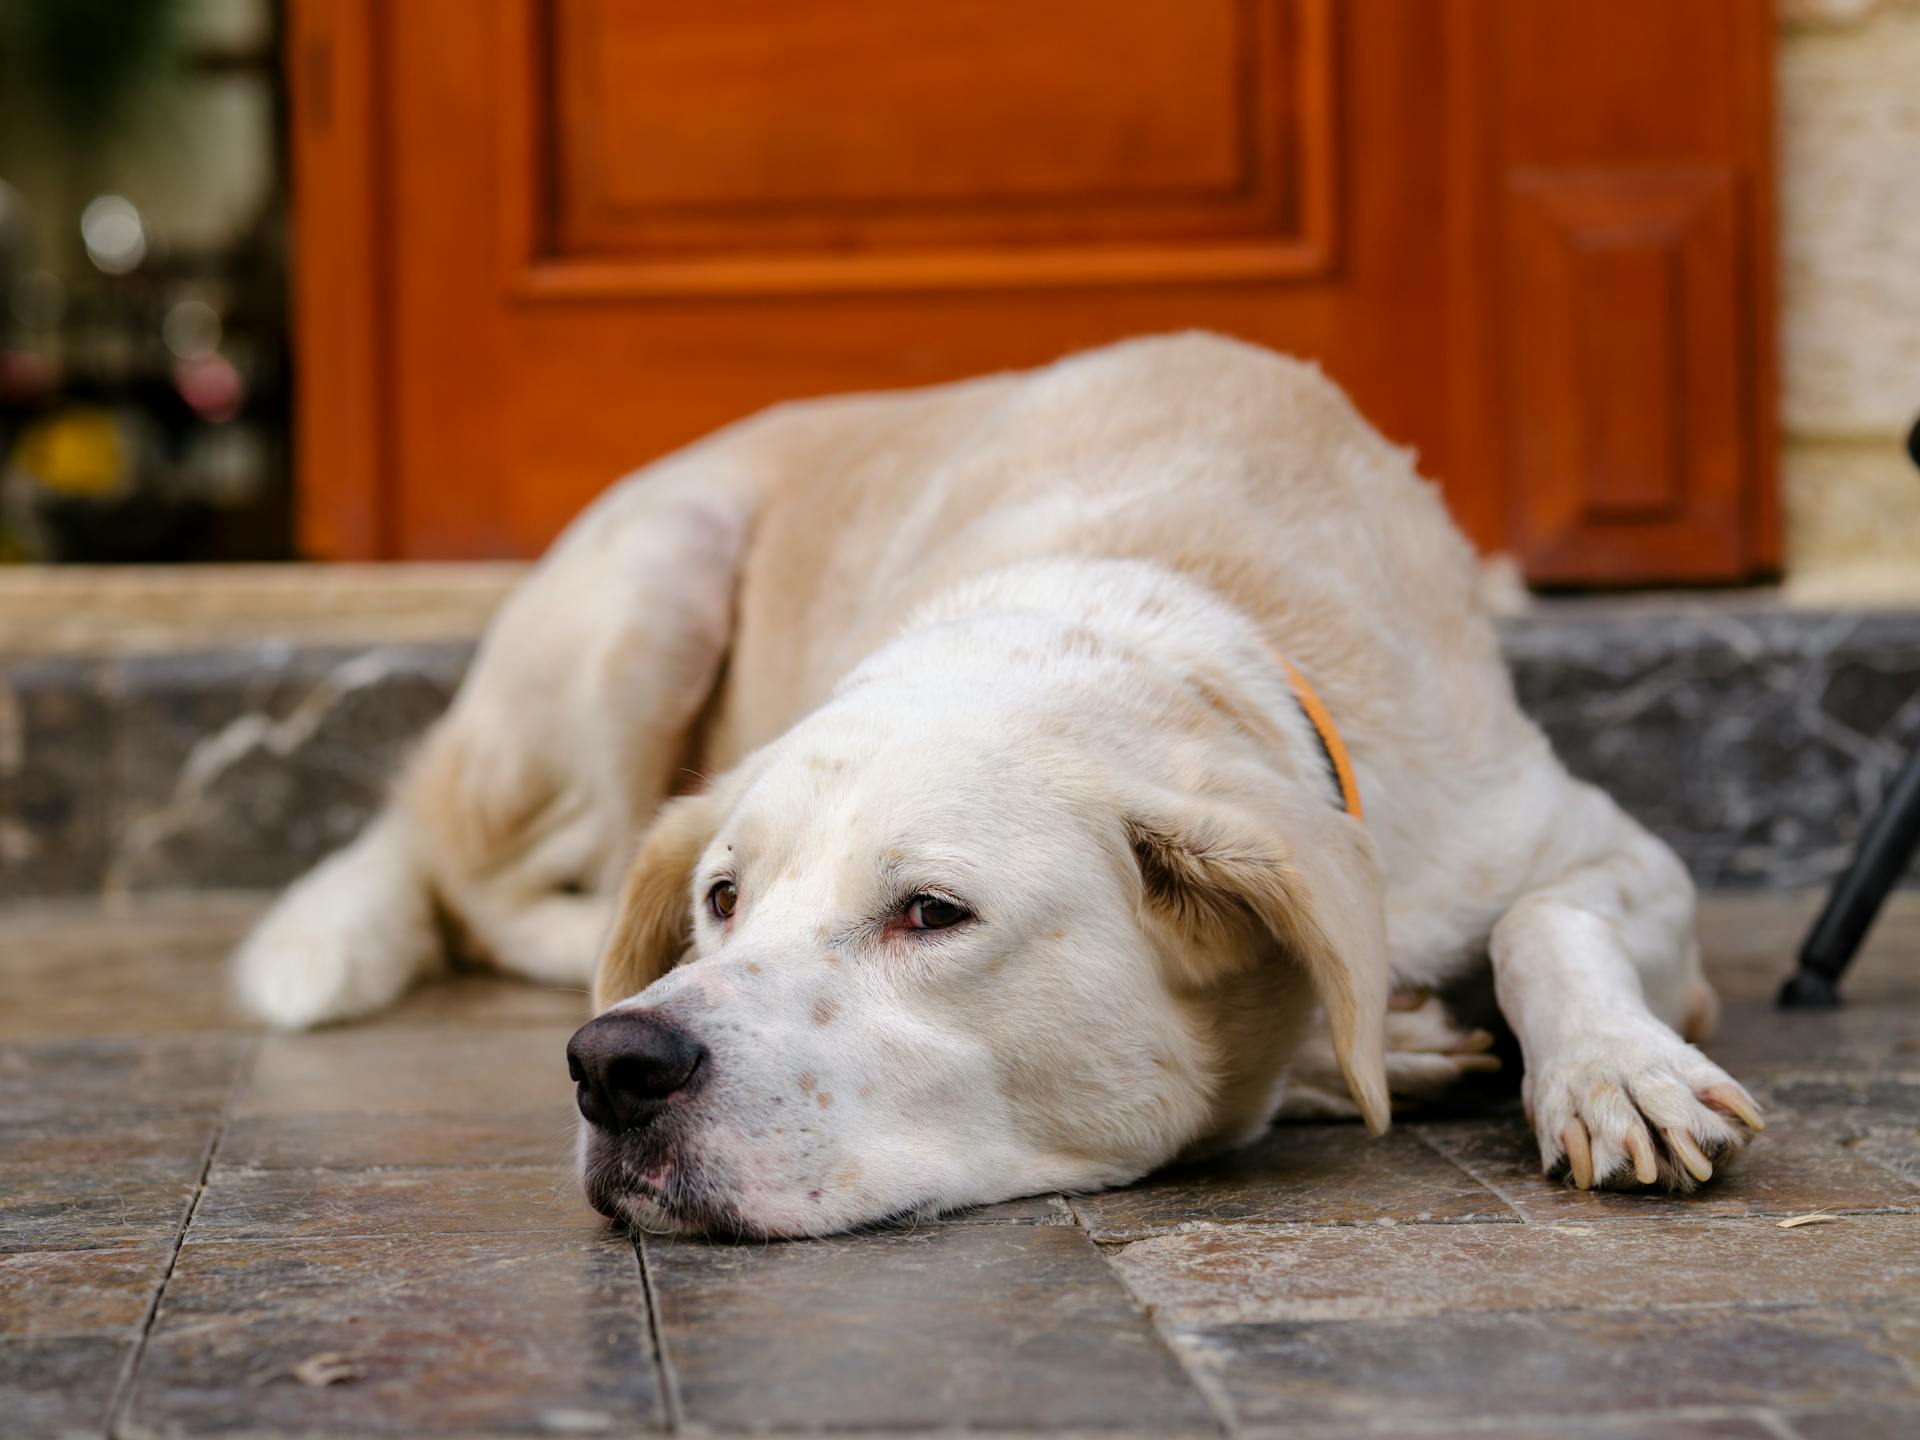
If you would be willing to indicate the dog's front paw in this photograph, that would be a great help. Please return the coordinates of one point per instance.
(1427, 1053)
(1427, 1050)
(347, 939)
(1636, 1106)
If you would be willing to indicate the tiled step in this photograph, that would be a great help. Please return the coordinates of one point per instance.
(151, 609)
(1754, 737)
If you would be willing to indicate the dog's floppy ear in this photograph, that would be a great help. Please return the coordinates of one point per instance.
(654, 924)
(1308, 882)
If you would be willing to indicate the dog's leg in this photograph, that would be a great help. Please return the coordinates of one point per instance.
(1595, 969)
(516, 813)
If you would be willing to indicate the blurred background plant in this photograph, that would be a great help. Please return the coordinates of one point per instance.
(143, 347)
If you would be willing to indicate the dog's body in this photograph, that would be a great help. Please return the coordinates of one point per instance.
(1020, 645)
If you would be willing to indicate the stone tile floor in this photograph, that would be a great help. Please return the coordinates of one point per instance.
(373, 1231)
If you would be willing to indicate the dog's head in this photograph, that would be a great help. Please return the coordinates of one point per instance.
(943, 944)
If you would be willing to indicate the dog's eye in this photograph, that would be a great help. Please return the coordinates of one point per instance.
(722, 898)
(930, 912)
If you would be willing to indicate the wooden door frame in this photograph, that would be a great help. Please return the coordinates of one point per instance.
(343, 422)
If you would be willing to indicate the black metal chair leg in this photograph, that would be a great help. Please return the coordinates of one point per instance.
(1885, 850)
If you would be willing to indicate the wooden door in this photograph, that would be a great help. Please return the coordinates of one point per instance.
(542, 241)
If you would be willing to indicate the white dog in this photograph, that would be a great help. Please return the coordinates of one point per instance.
(1073, 738)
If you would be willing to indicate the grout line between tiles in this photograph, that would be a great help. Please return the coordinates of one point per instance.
(1120, 1239)
(1079, 1220)
(1536, 1422)
(1213, 1396)
(656, 1331)
(411, 1237)
(122, 1395)
(1891, 1304)
(436, 1167)
(1421, 1134)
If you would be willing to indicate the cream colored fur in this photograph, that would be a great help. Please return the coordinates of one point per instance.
(1013, 642)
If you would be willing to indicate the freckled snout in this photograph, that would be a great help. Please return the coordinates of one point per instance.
(627, 1065)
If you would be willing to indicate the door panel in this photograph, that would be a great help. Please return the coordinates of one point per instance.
(1624, 427)
(747, 147)
(558, 243)
(1634, 386)
(742, 125)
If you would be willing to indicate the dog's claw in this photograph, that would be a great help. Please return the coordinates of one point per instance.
(1690, 1154)
(1735, 1102)
(1646, 1169)
(1573, 1135)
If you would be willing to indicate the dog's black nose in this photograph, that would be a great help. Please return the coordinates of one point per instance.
(627, 1063)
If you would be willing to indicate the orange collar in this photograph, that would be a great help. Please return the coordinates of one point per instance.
(1329, 733)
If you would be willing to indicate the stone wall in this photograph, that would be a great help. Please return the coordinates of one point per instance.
(1849, 201)
(1754, 739)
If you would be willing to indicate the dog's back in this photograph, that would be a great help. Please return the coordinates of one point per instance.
(1247, 471)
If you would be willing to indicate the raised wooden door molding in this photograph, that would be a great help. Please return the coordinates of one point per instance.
(867, 145)
(542, 241)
